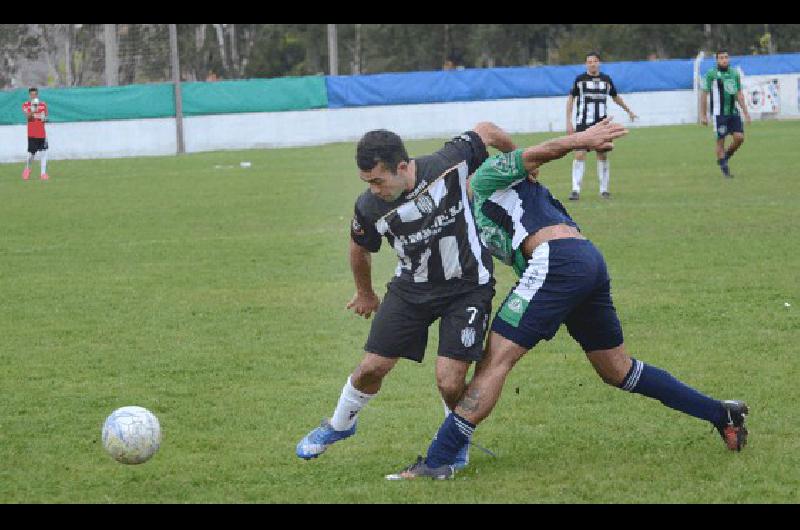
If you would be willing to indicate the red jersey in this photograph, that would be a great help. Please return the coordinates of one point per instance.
(35, 125)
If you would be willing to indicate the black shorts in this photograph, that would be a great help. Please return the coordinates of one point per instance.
(400, 327)
(725, 125)
(37, 144)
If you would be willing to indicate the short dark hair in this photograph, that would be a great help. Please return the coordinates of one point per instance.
(722, 50)
(32, 89)
(380, 146)
(593, 54)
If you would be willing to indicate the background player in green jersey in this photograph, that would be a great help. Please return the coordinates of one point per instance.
(724, 87)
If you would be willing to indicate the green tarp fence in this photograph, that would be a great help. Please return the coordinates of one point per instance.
(158, 101)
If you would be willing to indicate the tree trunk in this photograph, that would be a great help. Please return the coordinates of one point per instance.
(357, 51)
(333, 50)
(112, 55)
(235, 65)
(68, 54)
(221, 43)
(446, 44)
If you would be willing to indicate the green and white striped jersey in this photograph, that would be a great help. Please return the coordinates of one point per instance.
(723, 85)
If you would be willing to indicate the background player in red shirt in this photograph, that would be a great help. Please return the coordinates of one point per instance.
(36, 113)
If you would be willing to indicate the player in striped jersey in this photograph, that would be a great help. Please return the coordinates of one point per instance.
(563, 280)
(420, 206)
(723, 86)
(591, 90)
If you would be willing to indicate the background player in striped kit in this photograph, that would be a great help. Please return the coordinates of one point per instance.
(591, 89)
(443, 273)
(724, 86)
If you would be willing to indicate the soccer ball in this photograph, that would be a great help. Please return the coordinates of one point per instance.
(131, 435)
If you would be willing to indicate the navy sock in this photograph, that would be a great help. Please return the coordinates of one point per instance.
(661, 385)
(454, 433)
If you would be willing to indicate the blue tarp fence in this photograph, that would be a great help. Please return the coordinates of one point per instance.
(529, 82)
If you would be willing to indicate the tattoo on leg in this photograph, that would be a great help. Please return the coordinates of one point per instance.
(470, 401)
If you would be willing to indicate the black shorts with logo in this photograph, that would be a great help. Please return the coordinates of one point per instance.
(400, 327)
(725, 125)
(37, 144)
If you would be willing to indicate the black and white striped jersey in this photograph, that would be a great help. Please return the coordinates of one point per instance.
(591, 93)
(431, 228)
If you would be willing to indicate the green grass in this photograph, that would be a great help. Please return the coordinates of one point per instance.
(215, 297)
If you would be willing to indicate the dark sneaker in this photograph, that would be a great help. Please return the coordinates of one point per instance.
(421, 469)
(734, 433)
(605, 195)
(574, 196)
(723, 165)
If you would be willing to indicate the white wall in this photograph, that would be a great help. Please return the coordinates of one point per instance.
(94, 139)
(314, 127)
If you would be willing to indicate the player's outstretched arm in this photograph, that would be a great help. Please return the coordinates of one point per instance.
(494, 136)
(619, 101)
(599, 136)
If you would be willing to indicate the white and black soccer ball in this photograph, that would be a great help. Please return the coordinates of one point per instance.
(131, 435)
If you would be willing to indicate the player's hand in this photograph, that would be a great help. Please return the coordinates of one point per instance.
(533, 175)
(703, 120)
(601, 136)
(747, 119)
(364, 304)
(633, 116)
(570, 128)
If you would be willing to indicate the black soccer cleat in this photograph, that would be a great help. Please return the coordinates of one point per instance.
(420, 469)
(734, 432)
(605, 195)
(574, 196)
(723, 165)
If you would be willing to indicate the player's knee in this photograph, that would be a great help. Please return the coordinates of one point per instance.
(451, 388)
(368, 374)
(611, 378)
(611, 365)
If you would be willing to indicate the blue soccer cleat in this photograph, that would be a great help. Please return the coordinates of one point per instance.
(317, 441)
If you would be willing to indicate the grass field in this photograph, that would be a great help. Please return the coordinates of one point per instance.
(214, 295)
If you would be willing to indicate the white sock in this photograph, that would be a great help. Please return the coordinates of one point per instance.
(577, 174)
(44, 162)
(603, 174)
(28, 161)
(351, 401)
(447, 410)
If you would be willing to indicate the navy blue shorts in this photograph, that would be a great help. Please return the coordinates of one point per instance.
(725, 125)
(566, 282)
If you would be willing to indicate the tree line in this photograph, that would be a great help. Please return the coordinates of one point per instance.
(100, 54)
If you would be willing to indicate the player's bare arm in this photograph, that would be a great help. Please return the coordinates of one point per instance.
(598, 136)
(704, 107)
(494, 136)
(570, 104)
(743, 105)
(365, 301)
(619, 101)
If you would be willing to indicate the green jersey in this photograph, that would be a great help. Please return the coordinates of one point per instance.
(495, 174)
(723, 87)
